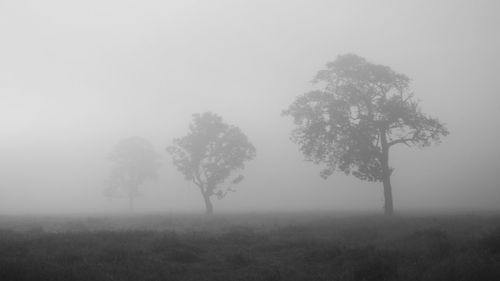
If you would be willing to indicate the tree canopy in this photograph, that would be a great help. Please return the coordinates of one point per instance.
(210, 153)
(361, 110)
(135, 161)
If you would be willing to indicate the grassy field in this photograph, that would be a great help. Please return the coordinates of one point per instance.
(250, 247)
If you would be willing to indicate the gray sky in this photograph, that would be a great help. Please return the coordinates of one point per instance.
(77, 76)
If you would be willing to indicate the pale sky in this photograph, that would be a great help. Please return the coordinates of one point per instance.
(78, 76)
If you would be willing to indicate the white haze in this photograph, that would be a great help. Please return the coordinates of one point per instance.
(78, 76)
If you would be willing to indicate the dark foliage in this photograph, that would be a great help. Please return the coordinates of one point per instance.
(351, 250)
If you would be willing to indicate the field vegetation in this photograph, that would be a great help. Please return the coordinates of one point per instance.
(251, 247)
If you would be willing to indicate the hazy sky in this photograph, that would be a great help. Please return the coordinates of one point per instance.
(77, 76)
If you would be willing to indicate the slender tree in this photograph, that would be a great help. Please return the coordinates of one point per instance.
(134, 163)
(359, 113)
(210, 154)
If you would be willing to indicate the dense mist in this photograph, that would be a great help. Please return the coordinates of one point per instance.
(76, 77)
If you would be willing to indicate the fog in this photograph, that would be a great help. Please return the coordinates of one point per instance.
(78, 76)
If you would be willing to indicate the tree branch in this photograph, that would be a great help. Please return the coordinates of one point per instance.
(405, 141)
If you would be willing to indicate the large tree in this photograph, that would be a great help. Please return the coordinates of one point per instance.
(135, 162)
(360, 111)
(210, 154)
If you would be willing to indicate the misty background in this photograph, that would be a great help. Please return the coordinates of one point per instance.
(78, 76)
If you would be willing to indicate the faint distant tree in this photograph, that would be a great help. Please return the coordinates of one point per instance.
(134, 163)
(360, 112)
(209, 154)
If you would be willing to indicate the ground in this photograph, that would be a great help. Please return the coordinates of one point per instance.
(290, 246)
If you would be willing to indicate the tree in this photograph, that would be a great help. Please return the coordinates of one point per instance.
(359, 114)
(134, 163)
(209, 154)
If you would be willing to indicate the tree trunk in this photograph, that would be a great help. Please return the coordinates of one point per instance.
(209, 208)
(388, 206)
(386, 176)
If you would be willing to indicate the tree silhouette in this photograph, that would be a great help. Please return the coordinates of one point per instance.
(209, 154)
(134, 162)
(362, 110)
